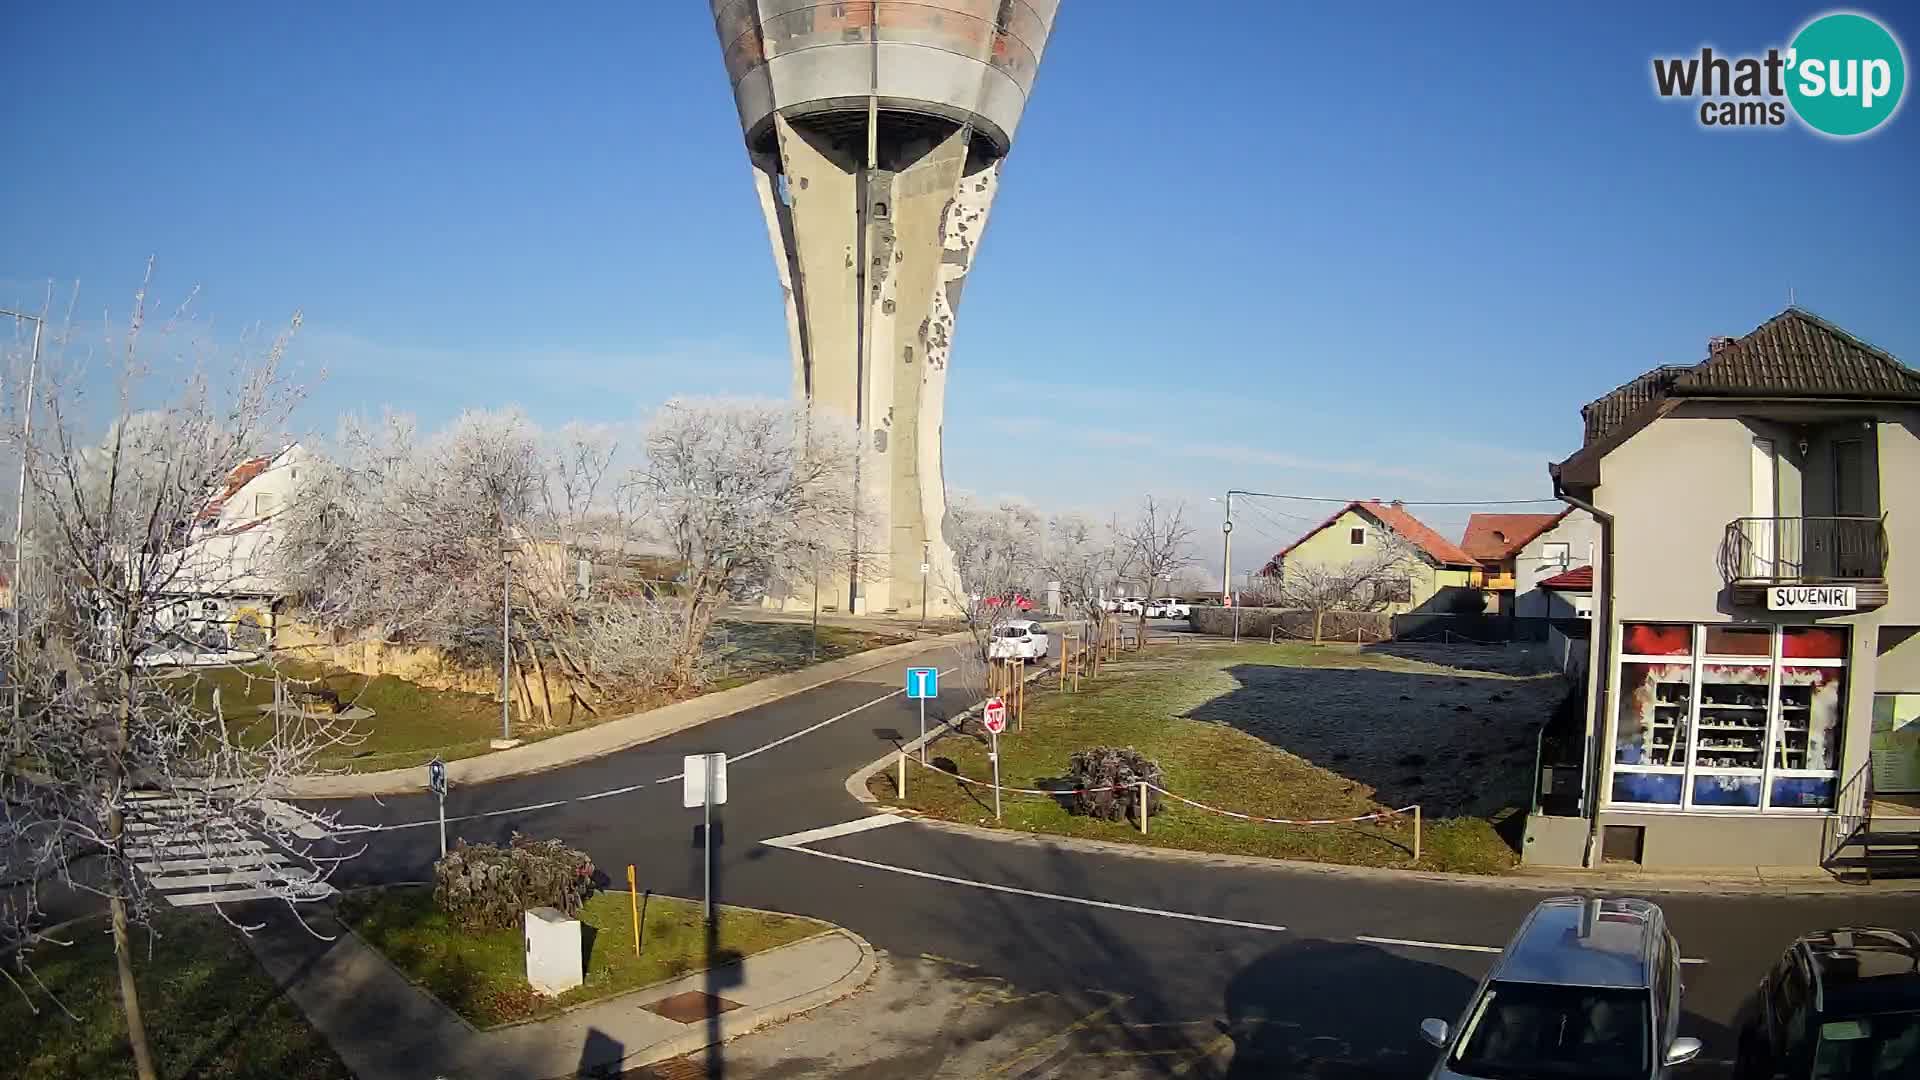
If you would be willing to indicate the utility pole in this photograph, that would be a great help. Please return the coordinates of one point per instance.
(1226, 553)
(926, 555)
(20, 504)
(506, 629)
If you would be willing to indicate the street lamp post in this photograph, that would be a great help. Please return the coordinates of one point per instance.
(20, 500)
(506, 636)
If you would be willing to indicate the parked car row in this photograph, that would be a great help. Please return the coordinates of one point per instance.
(1592, 987)
(1165, 607)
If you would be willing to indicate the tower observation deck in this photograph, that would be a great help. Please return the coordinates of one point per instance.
(877, 129)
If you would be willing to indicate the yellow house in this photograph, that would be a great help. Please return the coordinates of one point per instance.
(1367, 531)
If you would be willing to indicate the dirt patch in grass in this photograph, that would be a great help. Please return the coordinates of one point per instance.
(1283, 731)
(481, 974)
(210, 1010)
(412, 724)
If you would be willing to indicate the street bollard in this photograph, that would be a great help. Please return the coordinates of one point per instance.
(1416, 833)
(902, 785)
(1143, 808)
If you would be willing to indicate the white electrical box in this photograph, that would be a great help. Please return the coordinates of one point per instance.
(554, 955)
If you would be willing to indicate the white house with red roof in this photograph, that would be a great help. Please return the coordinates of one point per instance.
(227, 585)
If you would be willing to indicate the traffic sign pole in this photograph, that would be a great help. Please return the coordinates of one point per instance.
(706, 838)
(923, 731)
(994, 753)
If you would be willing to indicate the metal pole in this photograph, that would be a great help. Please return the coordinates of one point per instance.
(1143, 808)
(994, 753)
(813, 639)
(902, 785)
(506, 628)
(706, 841)
(442, 799)
(926, 555)
(1226, 551)
(20, 507)
(1416, 832)
(923, 734)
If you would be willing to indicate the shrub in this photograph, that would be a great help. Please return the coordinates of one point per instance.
(1119, 770)
(487, 887)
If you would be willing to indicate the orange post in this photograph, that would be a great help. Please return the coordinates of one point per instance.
(633, 901)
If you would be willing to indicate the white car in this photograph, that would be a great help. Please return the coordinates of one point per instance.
(1168, 607)
(1130, 605)
(1022, 639)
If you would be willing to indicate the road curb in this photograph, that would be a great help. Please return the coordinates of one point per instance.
(732, 1025)
(1574, 881)
(611, 736)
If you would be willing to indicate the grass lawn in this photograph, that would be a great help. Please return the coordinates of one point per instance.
(1208, 716)
(481, 974)
(412, 724)
(210, 1010)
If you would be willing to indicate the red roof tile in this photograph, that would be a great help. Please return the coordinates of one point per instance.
(1578, 579)
(1395, 517)
(1493, 537)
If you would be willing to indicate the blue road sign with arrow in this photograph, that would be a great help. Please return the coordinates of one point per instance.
(923, 682)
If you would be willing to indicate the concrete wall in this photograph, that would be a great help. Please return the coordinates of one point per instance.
(1701, 840)
(1578, 531)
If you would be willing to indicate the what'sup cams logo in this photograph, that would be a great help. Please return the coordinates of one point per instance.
(1843, 75)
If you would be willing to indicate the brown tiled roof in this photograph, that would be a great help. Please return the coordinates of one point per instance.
(1798, 354)
(1606, 414)
(1493, 537)
(1795, 354)
(1578, 579)
(1391, 516)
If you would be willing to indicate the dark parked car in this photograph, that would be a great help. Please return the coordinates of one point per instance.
(1840, 1004)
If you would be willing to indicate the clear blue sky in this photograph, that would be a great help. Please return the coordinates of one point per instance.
(1263, 247)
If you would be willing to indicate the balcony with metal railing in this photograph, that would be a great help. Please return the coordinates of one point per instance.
(1759, 553)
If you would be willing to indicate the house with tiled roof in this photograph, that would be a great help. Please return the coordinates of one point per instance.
(228, 588)
(1437, 571)
(1755, 600)
(1517, 551)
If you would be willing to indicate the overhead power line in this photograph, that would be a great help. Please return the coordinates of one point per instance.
(1402, 502)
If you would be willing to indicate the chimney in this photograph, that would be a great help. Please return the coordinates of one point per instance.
(1718, 344)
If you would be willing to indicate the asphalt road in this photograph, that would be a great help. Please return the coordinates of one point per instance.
(1231, 971)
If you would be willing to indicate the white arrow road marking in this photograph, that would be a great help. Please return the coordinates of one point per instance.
(845, 828)
(794, 842)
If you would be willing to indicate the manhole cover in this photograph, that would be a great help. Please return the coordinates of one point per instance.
(691, 1006)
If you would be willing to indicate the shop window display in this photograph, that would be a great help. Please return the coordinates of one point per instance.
(1740, 718)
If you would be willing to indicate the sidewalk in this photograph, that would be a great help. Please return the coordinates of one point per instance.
(612, 735)
(385, 1028)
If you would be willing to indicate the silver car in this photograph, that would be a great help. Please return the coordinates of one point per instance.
(1587, 988)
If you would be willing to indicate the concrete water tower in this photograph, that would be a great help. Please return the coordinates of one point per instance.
(876, 130)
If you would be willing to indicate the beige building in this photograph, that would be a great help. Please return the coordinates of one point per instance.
(1362, 532)
(1755, 602)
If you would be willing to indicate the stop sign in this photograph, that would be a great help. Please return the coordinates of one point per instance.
(994, 716)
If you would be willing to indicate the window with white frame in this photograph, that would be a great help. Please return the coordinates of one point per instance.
(1556, 554)
(1729, 717)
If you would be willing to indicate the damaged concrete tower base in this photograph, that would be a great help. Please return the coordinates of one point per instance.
(877, 130)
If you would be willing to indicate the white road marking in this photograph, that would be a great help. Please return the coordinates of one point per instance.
(611, 791)
(1428, 944)
(784, 739)
(845, 828)
(1456, 947)
(1131, 909)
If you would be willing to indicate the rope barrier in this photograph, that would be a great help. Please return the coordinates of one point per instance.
(1377, 815)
